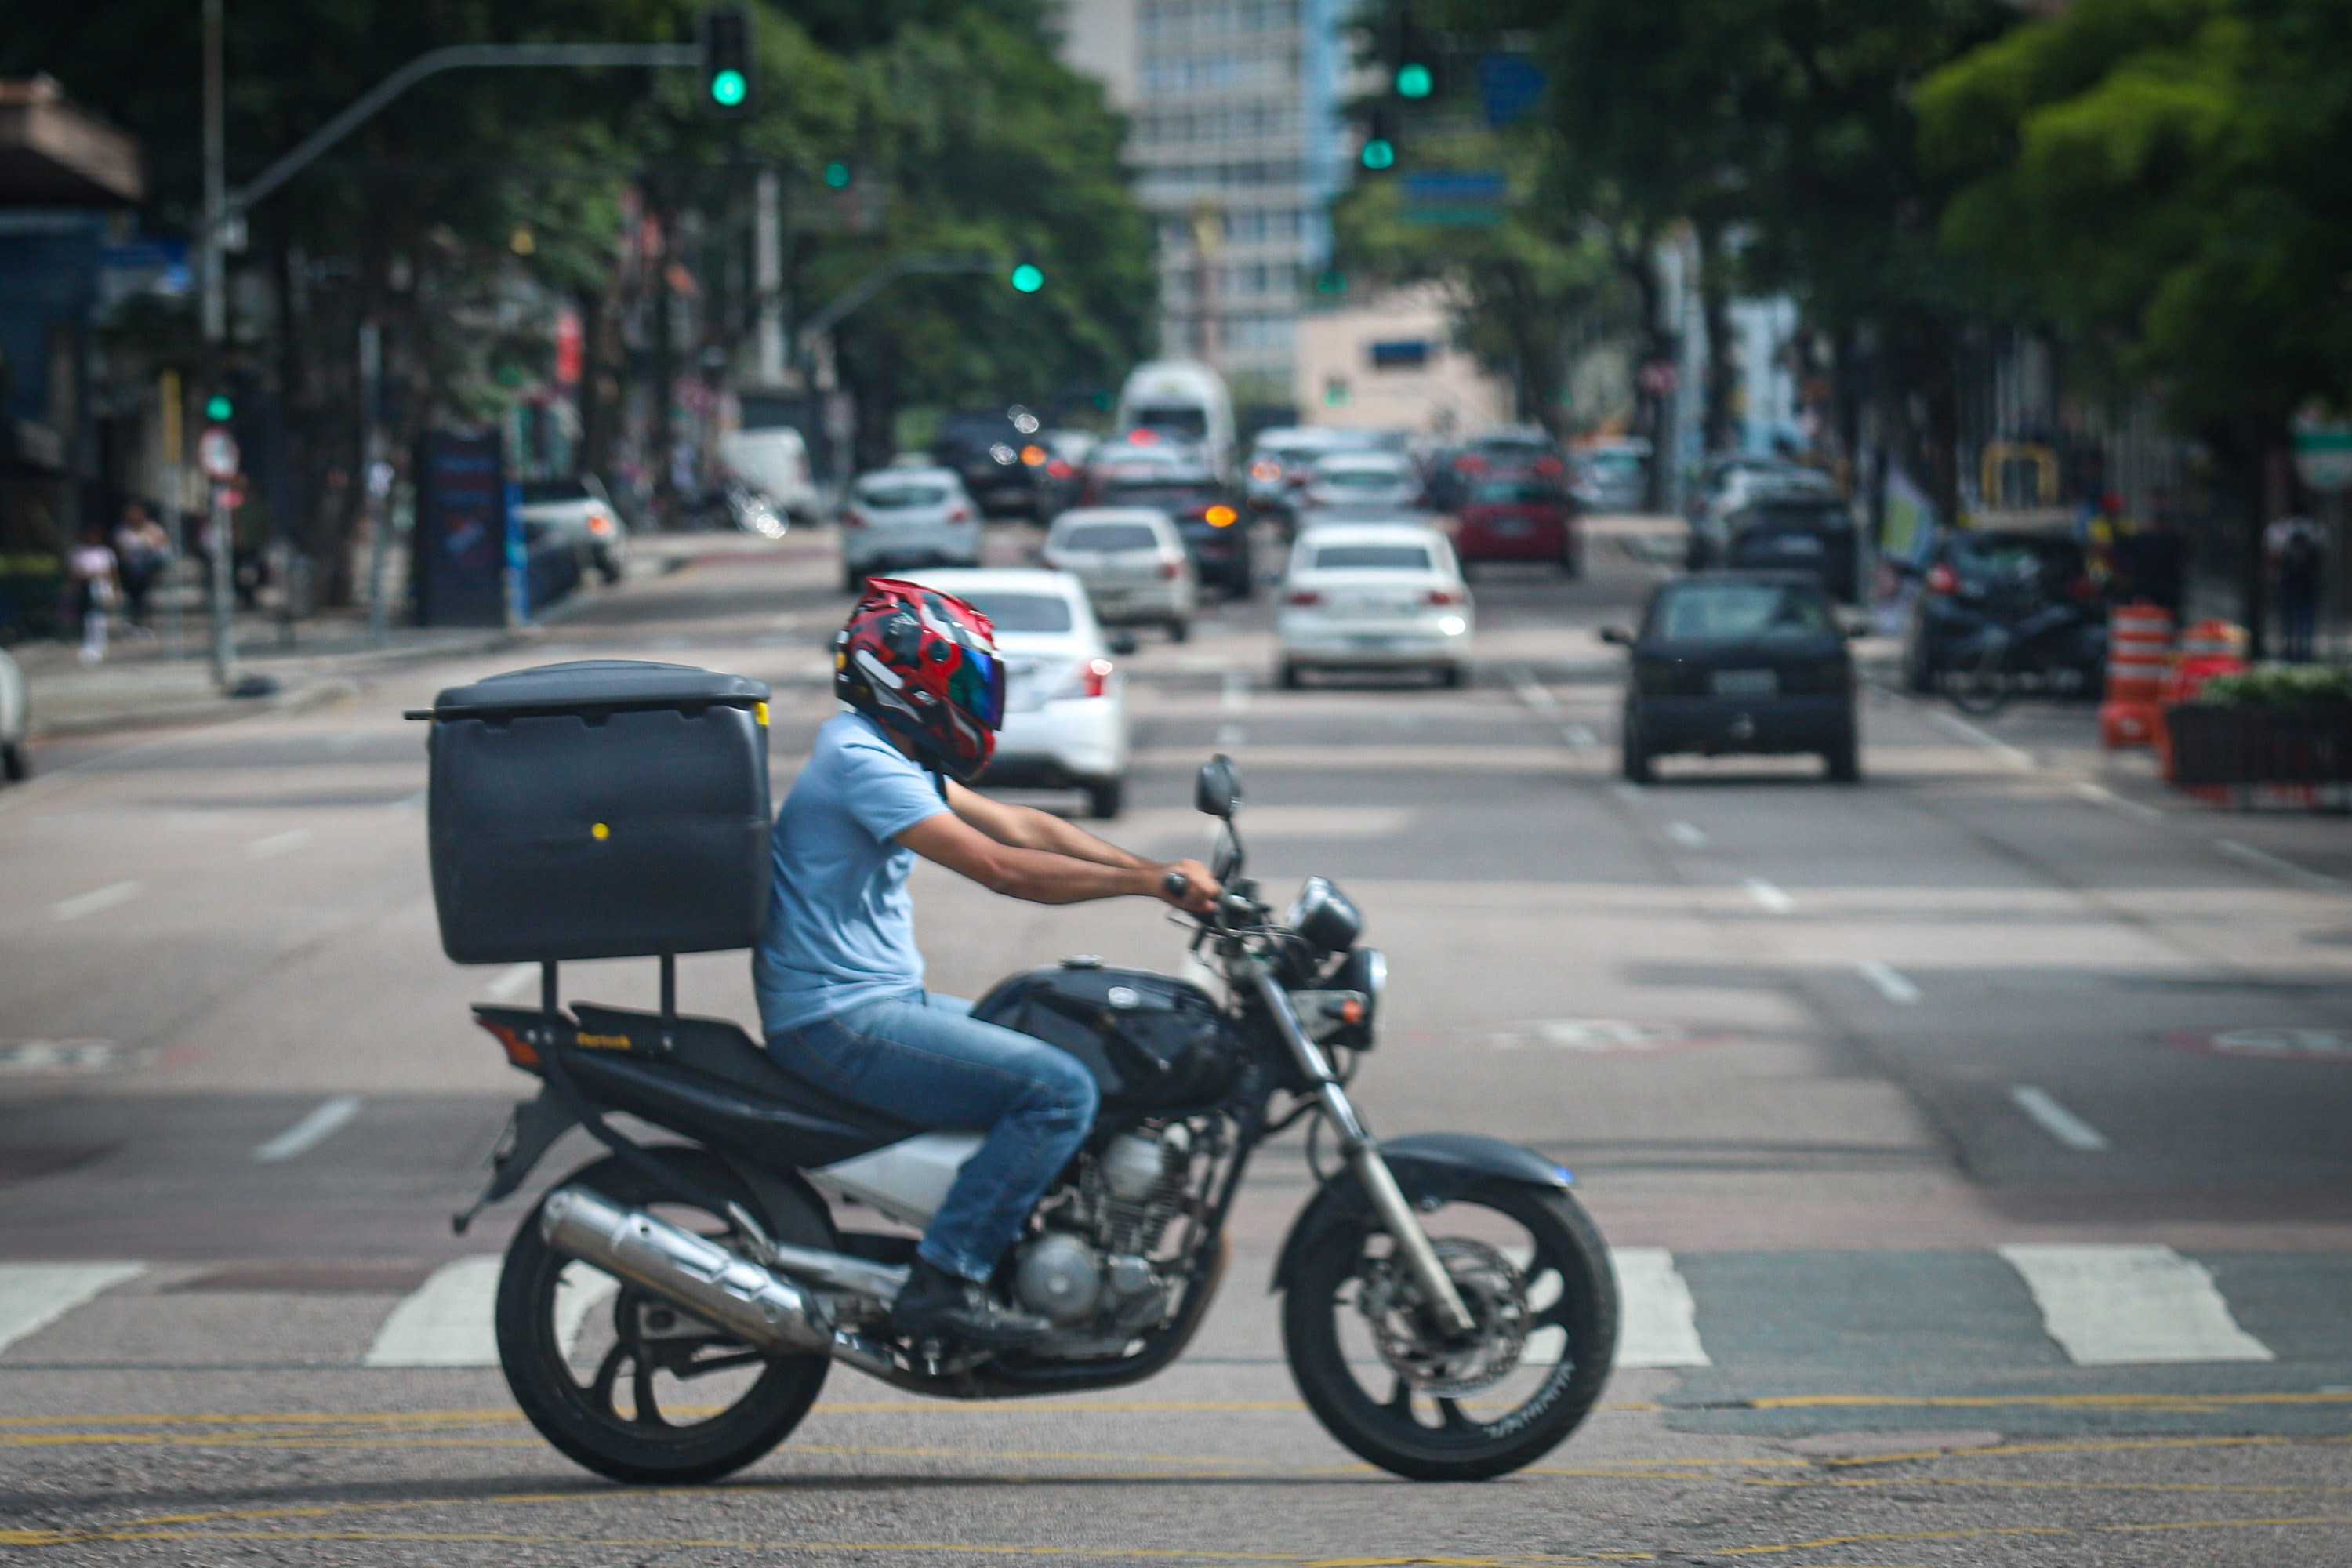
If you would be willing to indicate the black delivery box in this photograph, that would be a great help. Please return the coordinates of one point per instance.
(603, 809)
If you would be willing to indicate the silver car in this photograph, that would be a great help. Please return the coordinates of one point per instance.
(1133, 563)
(904, 517)
(14, 721)
(580, 511)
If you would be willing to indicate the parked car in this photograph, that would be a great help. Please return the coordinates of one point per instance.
(16, 722)
(1065, 724)
(773, 460)
(579, 512)
(901, 518)
(1739, 662)
(1977, 580)
(1610, 475)
(1172, 478)
(1373, 594)
(1133, 563)
(1361, 479)
(1517, 520)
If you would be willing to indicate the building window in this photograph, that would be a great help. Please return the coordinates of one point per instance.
(1404, 353)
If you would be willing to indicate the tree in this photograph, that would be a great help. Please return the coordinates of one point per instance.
(2168, 179)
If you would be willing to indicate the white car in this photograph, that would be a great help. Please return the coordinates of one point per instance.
(1065, 722)
(579, 512)
(902, 518)
(14, 721)
(773, 460)
(1374, 595)
(1361, 479)
(1132, 561)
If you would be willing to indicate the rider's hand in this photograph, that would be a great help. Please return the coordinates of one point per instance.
(1200, 889)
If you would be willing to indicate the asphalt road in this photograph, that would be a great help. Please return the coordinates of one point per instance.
(1973, 1139)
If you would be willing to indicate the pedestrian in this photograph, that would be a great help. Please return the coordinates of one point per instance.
(96, 589)
(142, 550)
(2297, 553)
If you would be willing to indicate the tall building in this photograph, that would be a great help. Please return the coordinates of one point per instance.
(1237, 143)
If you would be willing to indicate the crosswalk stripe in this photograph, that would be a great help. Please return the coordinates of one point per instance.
(2121, 1305)
(446, 1321)
(35, 1295)
(1657, 1320)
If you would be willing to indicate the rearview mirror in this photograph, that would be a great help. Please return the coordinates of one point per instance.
(1617, 635)
(1121, 643)
(1218, 789)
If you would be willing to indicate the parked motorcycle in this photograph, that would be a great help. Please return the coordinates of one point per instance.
(669, 1313)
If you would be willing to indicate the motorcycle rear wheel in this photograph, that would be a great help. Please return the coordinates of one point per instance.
(612, 1399)
(1566, 1315)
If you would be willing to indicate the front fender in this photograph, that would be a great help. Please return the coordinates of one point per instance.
(1429, 1167)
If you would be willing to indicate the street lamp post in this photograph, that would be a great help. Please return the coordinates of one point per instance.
(221, 548)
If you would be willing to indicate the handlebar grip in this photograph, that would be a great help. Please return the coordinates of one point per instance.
(1174, 884)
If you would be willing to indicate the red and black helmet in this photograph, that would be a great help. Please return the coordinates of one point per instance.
(923, 665)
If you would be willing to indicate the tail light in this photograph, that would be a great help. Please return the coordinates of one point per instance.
(1467, 464)
(1942, 579)
(1266, 472)
(1170, 570)
(520, 1052)
(1059, 469)
(600, 522)
(852, 517)
(1547, 467)
(960, 514)
(1304, 597)
(1444, 597)
(1091, 678)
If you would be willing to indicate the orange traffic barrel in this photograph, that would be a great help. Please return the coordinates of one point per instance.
(2139, 652)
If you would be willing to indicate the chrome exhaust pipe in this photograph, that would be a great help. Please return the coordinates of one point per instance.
(693, 1272)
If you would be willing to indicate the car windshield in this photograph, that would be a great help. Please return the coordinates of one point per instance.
(1712, 611)
(1794, 516)
(1023, 612)
(1373, 557)
(541, 492)
(1108, 536)
(2009, 556)
(1508, 492)
(1361, 478)
(891, 498)
(1190, 423)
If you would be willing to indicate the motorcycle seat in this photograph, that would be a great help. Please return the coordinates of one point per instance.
(718, 1048)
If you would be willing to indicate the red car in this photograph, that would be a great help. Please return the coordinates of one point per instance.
(1524, 518)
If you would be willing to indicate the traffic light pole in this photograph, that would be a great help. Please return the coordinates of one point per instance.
(223, 207)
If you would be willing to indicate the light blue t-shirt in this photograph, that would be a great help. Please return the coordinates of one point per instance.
(841, 928)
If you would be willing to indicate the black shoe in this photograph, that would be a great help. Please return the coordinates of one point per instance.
(935, 1301)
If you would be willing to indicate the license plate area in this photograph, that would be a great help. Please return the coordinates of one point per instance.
(1744, 682)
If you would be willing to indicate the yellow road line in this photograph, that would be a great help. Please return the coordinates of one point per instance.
(2038, 1401)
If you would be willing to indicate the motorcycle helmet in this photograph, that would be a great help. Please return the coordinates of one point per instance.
(923, 665)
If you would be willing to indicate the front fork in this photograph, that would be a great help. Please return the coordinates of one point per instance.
(1380, 1184)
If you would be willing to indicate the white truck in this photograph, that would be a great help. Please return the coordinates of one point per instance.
(1185, 398)
(774, 461)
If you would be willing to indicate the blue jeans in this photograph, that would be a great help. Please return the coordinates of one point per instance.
(924, 1059)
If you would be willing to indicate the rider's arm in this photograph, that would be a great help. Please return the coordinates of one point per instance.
(1025, 827)
(1047, 876)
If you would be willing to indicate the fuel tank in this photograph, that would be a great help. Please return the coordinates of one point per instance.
(1154, 1044)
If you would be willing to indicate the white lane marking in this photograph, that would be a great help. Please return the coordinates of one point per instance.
(1657, 1318)
(310, 1132)
(2100, 795)
(35, 1295)
(1579, 738)
(2284, 870)
(1767, 895)
(346, 741)
(97, 898)
(408, 803)
(2056, 1120)
(1236, 697)
(1953, 724)
(1628, 792)
(278, 844)
(1531, 690)
(1231, 735)
(1891, 982)
(512, 983)
(1690, 836)
(2121, 1305)
(580, 1290)
(446, 1321)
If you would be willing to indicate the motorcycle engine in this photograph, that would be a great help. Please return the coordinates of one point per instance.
(1098, 1264)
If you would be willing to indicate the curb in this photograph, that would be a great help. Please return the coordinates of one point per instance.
(213, 711)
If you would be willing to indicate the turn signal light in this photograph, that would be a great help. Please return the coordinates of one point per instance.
(1942, 579)
(519, 1051)
(1033, 456)
(1221, 517)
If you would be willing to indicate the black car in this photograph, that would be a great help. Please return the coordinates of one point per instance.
(1797, 533)
(1977, 580)
(1216, 530)
(1000, 456)
(1739, 662)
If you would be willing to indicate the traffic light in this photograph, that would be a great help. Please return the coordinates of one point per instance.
(1379, 153)
(1416, 65)
(1028, 277)
(836, 175)
(219, 409)
(727, 73)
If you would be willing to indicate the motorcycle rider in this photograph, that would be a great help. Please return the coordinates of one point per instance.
(839, 979)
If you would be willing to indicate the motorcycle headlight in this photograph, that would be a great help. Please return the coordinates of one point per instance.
(1324, 916)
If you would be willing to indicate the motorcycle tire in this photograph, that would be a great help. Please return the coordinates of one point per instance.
(1982, 689)
(585, 1422)
(1389, 1433)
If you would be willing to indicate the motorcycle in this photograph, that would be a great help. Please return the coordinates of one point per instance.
(669, 1313)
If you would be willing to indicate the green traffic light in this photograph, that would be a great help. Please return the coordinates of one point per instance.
(218, 409)
(727, 88)
(1028, 277)
(1380, 153)
(1413, 80)
(836, 175)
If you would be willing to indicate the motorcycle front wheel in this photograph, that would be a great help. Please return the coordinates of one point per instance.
(625, 1383)
(1386, 1382)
